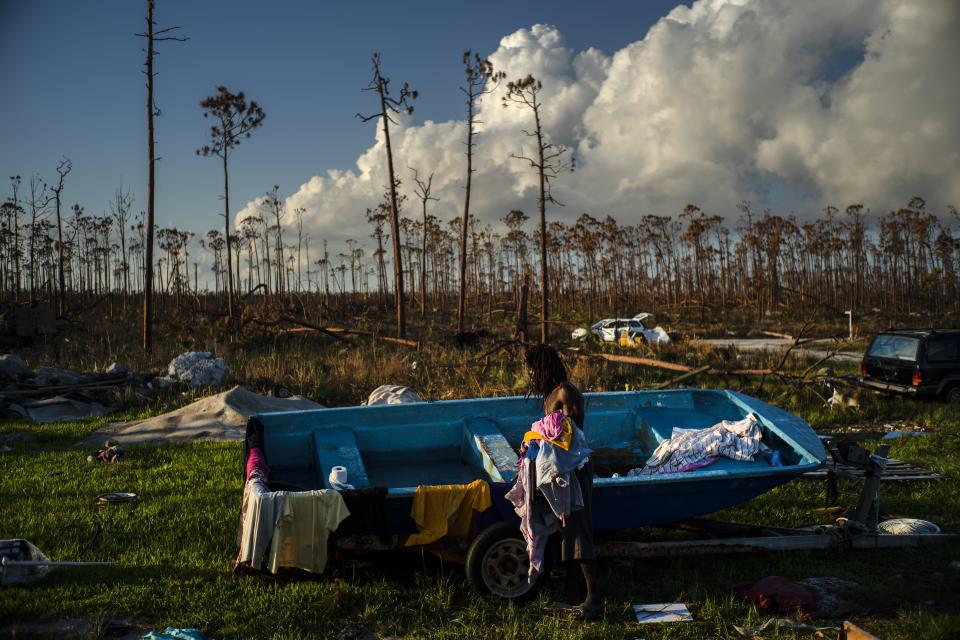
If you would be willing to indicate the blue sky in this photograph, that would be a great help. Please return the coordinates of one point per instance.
(74, 85)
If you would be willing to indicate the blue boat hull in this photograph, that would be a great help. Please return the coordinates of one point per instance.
(453, 442)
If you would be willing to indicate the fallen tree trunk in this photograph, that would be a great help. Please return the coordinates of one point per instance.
(333, 331)
(682, 377)
(671, 366)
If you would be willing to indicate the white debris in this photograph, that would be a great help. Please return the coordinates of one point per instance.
(116, 369)
(657, 335)
(13, 367)
(392, 394)
(198, 369)
(161, 382)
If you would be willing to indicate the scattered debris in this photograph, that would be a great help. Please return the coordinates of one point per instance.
(55, 376)
(829, 593)
(355, 632)
(117, 497)
(116, 369)
(777, 593)
(902, 435)
(392, 394)
(13, 368)
(198, 369)
(841, 401)
(777, 624)
(162, 382)
(174, 633)
(853, 632)
(662, 612)
(70, 406)
(23, 563)
(907, 526)
(219, 417)
(112, 452)
(20, 550)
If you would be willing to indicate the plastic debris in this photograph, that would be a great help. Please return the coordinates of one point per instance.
(55, 376)
(198, 369)
(662, 612)
(14, 368)
(62, 408)
(173, 633)
(392, 394)
(116, 369)
(907, 526)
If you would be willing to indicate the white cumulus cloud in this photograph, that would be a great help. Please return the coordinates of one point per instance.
(792, 105)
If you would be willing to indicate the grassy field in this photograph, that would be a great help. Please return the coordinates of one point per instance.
(174, 551)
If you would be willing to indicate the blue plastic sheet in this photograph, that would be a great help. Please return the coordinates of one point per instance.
(173, 633)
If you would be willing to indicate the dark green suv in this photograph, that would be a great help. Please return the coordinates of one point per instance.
(922, 363)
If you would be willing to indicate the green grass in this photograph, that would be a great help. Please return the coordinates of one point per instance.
(174, 552)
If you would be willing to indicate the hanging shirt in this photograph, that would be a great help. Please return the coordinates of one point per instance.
(447, 510)
(261, 509)
(305, 523)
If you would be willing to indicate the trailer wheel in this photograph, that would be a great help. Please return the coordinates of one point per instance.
(497, 564)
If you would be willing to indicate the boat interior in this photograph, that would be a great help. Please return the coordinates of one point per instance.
(454, 442)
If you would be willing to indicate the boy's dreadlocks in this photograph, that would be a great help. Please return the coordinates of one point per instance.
(546, 369)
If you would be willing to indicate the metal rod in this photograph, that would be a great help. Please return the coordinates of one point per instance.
(7, 562)
(766, 543)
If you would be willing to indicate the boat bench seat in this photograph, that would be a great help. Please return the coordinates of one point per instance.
(485, 445)
(338, 447)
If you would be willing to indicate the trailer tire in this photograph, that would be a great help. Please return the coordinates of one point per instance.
(497, 564)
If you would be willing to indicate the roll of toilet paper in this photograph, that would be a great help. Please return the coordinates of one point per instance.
(338, 479)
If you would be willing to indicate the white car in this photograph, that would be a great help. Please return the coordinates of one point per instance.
(612, 329)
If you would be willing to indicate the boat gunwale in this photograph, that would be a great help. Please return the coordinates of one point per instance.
(809, 460)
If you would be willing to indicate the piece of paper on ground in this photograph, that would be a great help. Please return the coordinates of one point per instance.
(662, 612)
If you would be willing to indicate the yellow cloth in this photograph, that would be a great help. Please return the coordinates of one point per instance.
(447, 510)
(566, 436)
(300, 537)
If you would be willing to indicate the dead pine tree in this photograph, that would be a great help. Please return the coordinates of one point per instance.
(390, 104)
(548, 161)
(120, 210)
(13, 209)
(63, 169)
(422, 192)
(153, 36)
(236, 119)
(479, 75)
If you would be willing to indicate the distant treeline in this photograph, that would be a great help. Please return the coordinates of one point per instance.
(906, 260)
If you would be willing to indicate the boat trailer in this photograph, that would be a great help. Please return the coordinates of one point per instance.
(859, 530)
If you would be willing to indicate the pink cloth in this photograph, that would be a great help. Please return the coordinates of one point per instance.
(550, 427)
(696, 464)
(257, 461)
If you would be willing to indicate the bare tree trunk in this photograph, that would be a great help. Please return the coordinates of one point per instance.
(461, 302)
(148, 259)
(226, 226)
(544, 293)
(394, 221)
